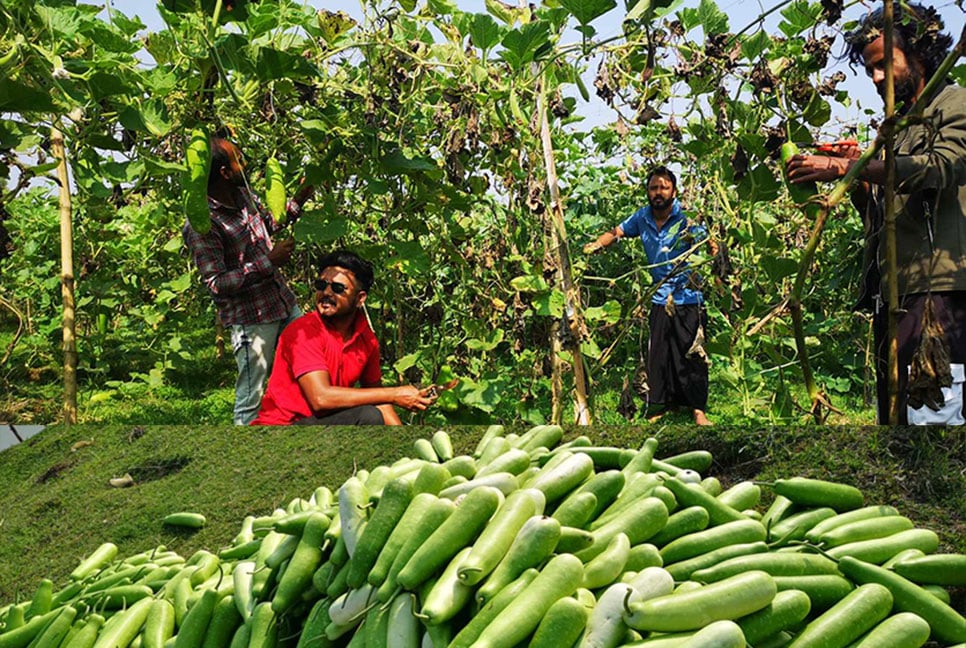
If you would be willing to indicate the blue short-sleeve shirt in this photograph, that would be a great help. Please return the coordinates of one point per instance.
(663, 247)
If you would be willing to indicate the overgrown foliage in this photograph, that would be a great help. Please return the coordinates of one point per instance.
(418, 126)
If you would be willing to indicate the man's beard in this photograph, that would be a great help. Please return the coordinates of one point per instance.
(659, 202)
(334, 305)
(905, 89)
(327, 302)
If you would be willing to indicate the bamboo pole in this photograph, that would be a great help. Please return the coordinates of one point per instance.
(891, 274)
(558, 235)
(66, 277)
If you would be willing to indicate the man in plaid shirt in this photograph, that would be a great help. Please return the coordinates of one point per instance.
(240, 265)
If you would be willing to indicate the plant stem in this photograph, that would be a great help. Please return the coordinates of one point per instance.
(66, 277)
(558, 238)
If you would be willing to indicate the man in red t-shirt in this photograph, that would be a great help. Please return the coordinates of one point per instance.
(326, 368)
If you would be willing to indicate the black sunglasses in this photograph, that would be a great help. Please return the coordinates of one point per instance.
(337, 288)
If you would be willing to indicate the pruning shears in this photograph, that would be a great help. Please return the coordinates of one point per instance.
(436, 389)
(829, 147)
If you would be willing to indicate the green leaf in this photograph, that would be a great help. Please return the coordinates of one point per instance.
(608, 313)
(503, 12)
(442, 7)
(235, 52)
(778, 268)
(590, 349)
(409, 257)
(396, 163)
(182, 283)
(798, 132)
(40, 169)
(689, 18)
(486, 343)
(108, 38)
(160, 81)
(406, 362)
(64, 22)
(174, 244)
(521, 45)
(483, 395)
(378, 187)
(549, 304)
(646, 10)
(587, 10)
(155, 117)
(958, 74)
(334, 24)
(273, 64)
(120, 172)
(180, 6)
(158, 167)
(127, 25)
(11, 134)
(484, 31)
(321, 226)
(759, 186)
(262, 19)
(818, 111)
(16, 97)
(753, 143)
(799, 16)
(712, 19)
(529, 283)
(753, 46)
(105, 84)
(315, 128)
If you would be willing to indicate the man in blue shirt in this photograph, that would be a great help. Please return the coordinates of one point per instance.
(677, 365)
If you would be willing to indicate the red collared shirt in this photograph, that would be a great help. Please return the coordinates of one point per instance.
(308, 345)
(233, 261)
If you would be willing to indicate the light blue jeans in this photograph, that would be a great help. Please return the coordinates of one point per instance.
(254, 349)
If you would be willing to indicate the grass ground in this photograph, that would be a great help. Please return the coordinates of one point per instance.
(56, 504)
(201, 392)
(119, 385)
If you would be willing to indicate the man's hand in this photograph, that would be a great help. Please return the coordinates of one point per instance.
(281, 252)
(817, 168)
(604, 240)
(304, 193)
(415, 399)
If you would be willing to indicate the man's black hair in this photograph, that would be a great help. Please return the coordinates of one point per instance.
(918, 33)
(219, 157)
(361, 268)
(664, 172)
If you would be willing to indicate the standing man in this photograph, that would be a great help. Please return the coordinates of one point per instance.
(677, 366)
(930, 208)
(240, 265)
(327, 370)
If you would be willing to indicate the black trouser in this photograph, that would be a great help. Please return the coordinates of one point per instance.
(673, 376)
(949, 309)
(361, 415)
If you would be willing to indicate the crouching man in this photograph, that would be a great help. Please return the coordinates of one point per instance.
(326, 368)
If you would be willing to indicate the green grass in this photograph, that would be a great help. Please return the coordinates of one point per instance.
(57, 505)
